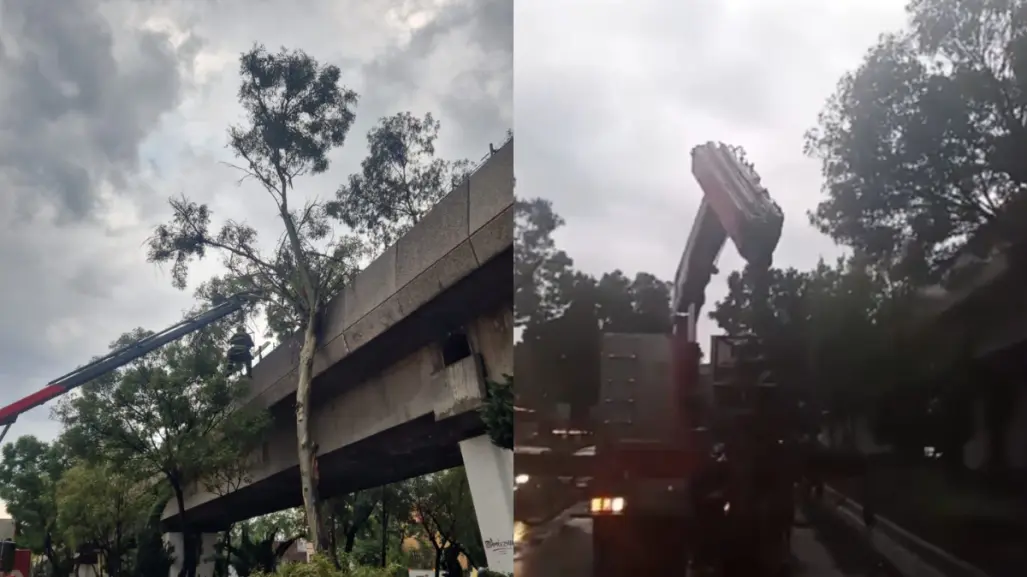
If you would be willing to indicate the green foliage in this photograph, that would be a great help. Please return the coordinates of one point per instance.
(348, 516)
(261, 555)
(820, 327)
(102, 507)
(174, 413)
(923, 144)
(541, 271)
(153, 557)
(297, 112)
(400, 180)
(561, 354)
(497, 412)
(443, 508)
(29, 476)
(322, 566)
(287, 523)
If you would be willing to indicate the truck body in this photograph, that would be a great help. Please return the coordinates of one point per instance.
(640, 459)
(661, 497)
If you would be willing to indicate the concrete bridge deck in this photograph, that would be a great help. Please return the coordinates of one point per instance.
(385, 404)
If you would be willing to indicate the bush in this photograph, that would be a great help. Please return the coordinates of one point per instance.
(321, 566)
(497, 412)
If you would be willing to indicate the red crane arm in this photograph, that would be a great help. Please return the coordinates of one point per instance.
(117, 359)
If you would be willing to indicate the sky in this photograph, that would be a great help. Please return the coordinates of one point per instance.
(611, 97)
(109, 107)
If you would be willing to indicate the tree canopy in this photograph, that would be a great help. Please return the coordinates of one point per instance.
(102, 508)
(922, 145)
(399, 182)
(29, 475)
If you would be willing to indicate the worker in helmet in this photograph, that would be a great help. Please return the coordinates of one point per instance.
(240, 352)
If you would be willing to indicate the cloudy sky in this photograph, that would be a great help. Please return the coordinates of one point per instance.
(108, 107)
(611, 96)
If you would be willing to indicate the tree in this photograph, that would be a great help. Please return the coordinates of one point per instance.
(288, 523)
(922, 146)
(261, 555)
(153, 555)
(542, 273)
(348, 516)
(639, 305)
(394, 515)
(835, 337)
(29, 474)
(400, 180)
(444, 510)
(297, 112)
(559, 358)
(171, 414)
(103, 508)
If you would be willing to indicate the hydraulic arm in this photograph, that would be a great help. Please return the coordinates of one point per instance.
(734, 205)
(118, 359)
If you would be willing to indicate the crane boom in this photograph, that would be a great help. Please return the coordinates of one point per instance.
(118, 359)
(735, 205)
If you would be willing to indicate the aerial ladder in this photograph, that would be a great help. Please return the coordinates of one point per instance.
(119, 358)
(670, 489)
(14, 561)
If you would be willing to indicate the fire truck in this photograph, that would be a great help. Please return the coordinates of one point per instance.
(693, 471)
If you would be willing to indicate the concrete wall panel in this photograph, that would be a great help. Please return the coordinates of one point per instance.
(371, 287)
(491, 336)
(494, 236)
(492, 187)
(374, 323)
(438, 233)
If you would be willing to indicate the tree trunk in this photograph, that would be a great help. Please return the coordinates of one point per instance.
(385, 528)
(999, 413)
(309, 477)
(351, 540)
(189, 559)
(227, 548)
(114, 554)
(333, 540)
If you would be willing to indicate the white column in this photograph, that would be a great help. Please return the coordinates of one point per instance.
(490, 476)
(175, 542)
(208, 550)
(205, 566)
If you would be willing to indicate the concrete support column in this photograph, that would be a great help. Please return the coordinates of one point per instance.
(205, 566)
(490, 476)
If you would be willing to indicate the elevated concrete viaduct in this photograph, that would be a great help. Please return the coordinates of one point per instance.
(400, 372)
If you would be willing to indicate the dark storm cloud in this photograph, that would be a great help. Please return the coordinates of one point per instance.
(80, 90)
(480, 97)
(71, 115)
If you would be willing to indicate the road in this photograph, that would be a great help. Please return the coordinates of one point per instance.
(567, 552)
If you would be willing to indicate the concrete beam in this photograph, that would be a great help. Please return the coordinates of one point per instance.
(407, 419)
(469, 227)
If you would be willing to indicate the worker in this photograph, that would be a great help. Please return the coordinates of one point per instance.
(240, 352)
